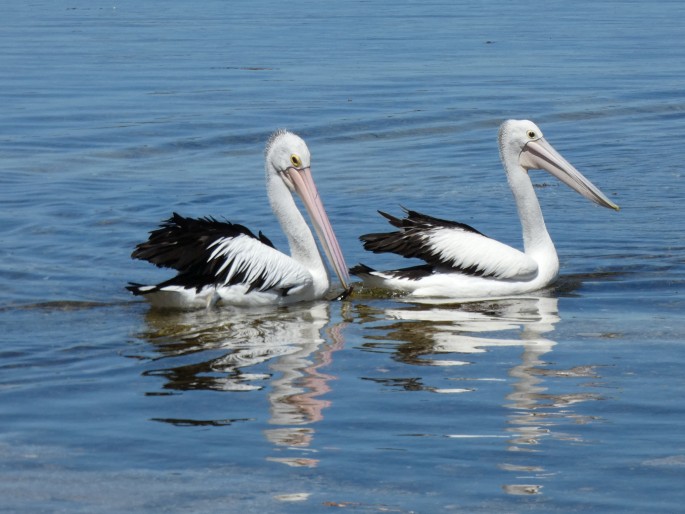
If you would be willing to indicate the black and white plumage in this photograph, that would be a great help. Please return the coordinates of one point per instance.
(461, 262)
(219, 261)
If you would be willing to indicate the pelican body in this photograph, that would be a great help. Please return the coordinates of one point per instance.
(223, 262)
(463, 263)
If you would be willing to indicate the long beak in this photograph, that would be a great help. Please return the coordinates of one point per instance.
(305, 187)
(541, 155)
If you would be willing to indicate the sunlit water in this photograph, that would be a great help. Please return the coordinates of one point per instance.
(113, 116)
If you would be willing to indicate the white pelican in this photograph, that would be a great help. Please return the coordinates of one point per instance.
(463, 263)
(225, 262)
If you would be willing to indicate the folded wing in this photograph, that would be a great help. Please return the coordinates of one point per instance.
(449, 244)
(209, 252)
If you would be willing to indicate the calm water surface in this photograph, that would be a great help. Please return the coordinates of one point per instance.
(113, 116)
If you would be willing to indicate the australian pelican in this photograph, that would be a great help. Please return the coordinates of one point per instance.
(222, 262)
(462, 262)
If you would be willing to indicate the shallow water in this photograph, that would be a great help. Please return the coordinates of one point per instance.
(114, 116)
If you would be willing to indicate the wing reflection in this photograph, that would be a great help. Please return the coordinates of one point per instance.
(455, 335)
(280, 350)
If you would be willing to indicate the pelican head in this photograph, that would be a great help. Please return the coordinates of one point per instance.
(288, 157)
(524, 139)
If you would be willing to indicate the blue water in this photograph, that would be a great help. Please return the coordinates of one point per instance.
(113, 116)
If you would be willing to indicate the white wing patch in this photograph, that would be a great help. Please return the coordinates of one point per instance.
(249, 261)
(459, 248)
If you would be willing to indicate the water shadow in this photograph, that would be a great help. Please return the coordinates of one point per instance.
(458, 336)
(280, 350)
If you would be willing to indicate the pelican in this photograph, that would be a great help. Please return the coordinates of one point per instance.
(462, 263)
(223, 262)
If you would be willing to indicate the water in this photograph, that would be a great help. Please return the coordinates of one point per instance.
(115, 115)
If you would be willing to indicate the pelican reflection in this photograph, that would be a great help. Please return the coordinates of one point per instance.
(281, 351)
(456, 335)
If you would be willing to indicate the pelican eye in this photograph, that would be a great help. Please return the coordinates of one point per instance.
(531, 134)
(295, 160)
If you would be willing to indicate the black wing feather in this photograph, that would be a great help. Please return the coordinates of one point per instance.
(181, 242)
(186, 245)
(449, 245)
(409, 241)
